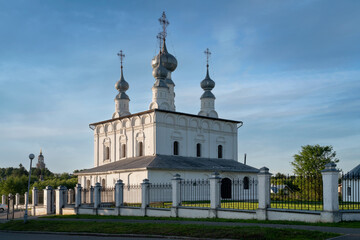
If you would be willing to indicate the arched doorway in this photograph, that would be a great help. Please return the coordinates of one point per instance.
(225, 188)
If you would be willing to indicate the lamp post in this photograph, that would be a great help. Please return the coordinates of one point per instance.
(31, 157)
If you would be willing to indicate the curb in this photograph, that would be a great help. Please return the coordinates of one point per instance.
(109, 235)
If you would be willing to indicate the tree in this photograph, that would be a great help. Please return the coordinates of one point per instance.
(312, 159)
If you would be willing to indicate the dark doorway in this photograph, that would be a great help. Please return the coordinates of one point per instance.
(225, 188)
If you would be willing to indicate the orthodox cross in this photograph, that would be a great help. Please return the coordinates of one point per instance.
(164, 23)
(207, 53)
(122, 56)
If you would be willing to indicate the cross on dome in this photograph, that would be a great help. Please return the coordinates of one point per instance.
(207, 53)
(122, 56)
(164, 23)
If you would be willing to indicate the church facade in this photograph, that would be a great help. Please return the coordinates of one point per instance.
(160, 142)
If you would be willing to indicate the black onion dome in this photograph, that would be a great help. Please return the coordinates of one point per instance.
(122, 85)
(207, 84)
(168, 60)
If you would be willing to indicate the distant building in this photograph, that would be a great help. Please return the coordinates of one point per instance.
(40, 164)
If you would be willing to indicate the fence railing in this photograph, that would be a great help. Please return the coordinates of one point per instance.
(349, 191)
(297, 192)
(132, 195)
(70, 197)
(195, 193)
(107, 197)
(160, 195)
(87, 196)
(40, 197)
(239, 193)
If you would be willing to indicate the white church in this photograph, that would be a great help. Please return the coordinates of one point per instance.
(160, 142)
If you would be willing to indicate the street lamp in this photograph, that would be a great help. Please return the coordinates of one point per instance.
(31, 157)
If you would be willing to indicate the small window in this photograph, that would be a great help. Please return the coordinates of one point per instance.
(220, 151)
(246, 183)
(140, 148)
(349, 191)
(198, 150)
(107, 153)
(123, 150)
(176, 148)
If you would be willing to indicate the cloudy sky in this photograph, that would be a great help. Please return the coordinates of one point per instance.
(290, 70)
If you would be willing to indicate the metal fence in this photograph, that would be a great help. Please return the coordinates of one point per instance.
(22, 199)
(239, 193)
(349, 191)
(132, 195)
(107, 197)
(160, 195)
(40, 197)
(195, 193)
(87, 196)
(297, 192)
(70, 197)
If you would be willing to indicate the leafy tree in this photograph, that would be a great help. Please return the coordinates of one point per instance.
(312, 159)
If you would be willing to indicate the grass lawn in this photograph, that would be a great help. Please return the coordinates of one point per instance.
(199, 231)
(354, 224)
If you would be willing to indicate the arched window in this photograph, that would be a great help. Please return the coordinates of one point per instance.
(220, 151)
(88, 184)
(123, 150)
(140, 149)
(246, 183)
(198, 150)
(107, 153)
(103, 183)
(176, 148)
(225, 188)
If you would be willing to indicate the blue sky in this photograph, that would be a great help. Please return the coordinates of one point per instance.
(290, 70)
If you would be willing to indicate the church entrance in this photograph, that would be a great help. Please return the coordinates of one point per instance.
(225, 188)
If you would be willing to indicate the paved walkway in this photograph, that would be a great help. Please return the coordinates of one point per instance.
(349, 233)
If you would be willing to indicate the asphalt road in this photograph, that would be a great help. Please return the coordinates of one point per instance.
(46, 236)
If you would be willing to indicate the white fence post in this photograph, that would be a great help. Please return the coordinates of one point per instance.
(17, 200)
(330, 176)
(97, 199)
(48, 203)
(176, 195)
(215, 201)
(34, 200)
(78, 195)
(26, 198)
(264, 178)
(119, 193)
(60, 192)
(34, 196)
(145, 194)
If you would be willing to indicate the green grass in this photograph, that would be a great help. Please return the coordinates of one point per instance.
(353, 224)
(199, 231)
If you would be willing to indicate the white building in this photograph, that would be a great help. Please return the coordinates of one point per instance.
(160, 142)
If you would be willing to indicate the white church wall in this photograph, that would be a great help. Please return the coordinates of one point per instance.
(191, 130)
(128, 131)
